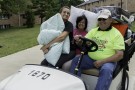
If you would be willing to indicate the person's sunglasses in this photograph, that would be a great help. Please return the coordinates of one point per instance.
(102, 19)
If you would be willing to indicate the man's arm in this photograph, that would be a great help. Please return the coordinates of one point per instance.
(116, 57)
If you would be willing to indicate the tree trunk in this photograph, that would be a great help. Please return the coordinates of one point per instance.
(19, 19)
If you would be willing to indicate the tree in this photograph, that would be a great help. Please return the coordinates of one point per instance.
(14, 7)
(30, 19)
(0, 6)
(71, 2)
(45, 8)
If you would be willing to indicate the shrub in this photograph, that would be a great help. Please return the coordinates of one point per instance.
(30, 19)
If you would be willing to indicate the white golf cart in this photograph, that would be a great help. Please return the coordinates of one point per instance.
(37, 77)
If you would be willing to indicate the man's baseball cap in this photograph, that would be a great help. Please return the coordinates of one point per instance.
(105, 13)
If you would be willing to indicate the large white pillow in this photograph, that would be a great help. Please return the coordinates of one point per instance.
(55, 22)
(91, 16)
(54, 53)
(45, 36)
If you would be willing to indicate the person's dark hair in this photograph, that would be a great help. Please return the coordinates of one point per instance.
(81, 18)
(63, 8)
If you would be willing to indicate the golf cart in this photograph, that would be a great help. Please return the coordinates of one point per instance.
(37, 77)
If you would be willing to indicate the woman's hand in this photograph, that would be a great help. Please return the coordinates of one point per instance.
(45, 48)
(77, 37)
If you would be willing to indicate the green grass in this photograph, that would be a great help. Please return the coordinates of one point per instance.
(17, 39)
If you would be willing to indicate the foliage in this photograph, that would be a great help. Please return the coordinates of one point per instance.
(30, 19)
(14, 6)
(47, 8)
(72, 2)
(44, 8)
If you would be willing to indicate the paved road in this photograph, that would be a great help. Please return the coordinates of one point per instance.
(132, 72)
(10, 64)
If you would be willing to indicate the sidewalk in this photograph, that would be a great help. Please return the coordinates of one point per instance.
(12, 63)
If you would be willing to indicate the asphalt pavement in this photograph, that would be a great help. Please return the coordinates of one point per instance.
(12, 63)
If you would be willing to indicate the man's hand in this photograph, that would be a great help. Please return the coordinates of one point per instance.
(114, 58)
(98, 63)
(45, 49)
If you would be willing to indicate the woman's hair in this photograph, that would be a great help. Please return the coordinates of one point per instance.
(80, 18)
(63, 8)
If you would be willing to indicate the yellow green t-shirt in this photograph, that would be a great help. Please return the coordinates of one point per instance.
(107, 41)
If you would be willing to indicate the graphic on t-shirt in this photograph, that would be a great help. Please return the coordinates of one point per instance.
(101, 43)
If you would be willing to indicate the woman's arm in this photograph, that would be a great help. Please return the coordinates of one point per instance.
(60, 38)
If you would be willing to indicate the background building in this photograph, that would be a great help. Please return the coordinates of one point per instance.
(8, 20)
(128, 5)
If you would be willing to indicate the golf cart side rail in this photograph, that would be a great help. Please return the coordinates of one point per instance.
(128, 53)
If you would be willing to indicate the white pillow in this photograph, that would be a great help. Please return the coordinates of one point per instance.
(55, 22)
(45, 36)
(54, 53)
(91, 17)
(56, 50)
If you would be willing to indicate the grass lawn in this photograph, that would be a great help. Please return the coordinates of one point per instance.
(17, 39)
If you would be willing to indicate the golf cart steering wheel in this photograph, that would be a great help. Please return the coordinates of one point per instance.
(88, 45)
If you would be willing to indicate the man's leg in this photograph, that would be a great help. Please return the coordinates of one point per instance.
(105, 76)
(44, 62)
(64, 58)
(66, 66)
(86, 63)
